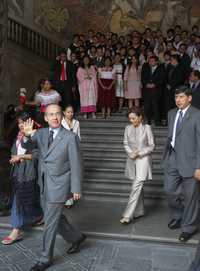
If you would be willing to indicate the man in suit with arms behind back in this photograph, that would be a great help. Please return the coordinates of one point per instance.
(182, 164)
(59, 173)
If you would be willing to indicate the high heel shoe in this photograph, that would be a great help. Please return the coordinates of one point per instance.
(125, 221)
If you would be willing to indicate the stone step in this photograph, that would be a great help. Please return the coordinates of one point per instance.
(112, 154)
(116, 174)
(113, 123)
(123, 189)
(113, 138)
(116, 132)
(112, 151)
(120, 183)
(110, 195)
(112, 163)
(104, 144)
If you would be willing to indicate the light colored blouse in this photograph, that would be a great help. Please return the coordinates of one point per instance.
(139, 139)
(44, 99)
(75, 127)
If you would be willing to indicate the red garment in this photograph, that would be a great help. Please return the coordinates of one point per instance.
(106, 97)
(63, 76)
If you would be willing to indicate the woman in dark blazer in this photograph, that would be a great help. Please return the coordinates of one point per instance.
(26, 208)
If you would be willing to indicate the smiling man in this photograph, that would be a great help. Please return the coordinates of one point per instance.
(182, 165)
(59, 173)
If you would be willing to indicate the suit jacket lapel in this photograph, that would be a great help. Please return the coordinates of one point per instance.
(57, 139)
(45, 140)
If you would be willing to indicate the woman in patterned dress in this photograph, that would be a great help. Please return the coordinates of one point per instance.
(106, 80)
(87, 84)
(47, 96)
(132, 81)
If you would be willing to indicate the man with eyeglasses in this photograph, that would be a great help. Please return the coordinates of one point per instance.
(60, 172)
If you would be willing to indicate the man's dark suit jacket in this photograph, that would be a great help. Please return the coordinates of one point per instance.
(156, 78)
(175, 76)
(56, 69)
(196, 96)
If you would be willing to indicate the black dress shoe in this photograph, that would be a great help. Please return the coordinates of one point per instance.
(185, 236)
(40, 266)
(75, 247)
(174, 224)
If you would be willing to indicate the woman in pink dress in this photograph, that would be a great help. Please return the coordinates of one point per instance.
(106, 80)
(87, 84)
(132, 82)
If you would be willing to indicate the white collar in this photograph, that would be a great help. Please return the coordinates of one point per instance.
(184, 110)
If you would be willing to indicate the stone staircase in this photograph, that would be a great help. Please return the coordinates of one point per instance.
(104, 160)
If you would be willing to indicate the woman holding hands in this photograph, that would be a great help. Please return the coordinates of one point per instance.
(138, 144)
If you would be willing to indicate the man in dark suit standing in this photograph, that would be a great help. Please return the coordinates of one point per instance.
(185, 60)
(195, 88)
(98, 61)
(175, 78)
(182, 164)
(59, 174)
(64, 78)
(152, 77)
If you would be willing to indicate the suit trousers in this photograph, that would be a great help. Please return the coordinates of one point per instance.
(135, 206)
(65, 90)
(195, 265)
(182, 195)
(56, 222)
(151, 105)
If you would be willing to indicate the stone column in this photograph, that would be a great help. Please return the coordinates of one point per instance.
(3, 59)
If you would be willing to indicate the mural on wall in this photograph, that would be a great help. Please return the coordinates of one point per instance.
(16, 7)
(51, 15)
(65, 17)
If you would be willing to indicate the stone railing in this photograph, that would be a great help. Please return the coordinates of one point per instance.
(32, 40)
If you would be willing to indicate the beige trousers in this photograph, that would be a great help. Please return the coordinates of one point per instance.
(135, 206)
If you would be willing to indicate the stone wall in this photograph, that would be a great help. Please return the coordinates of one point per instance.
(3, 60)
(25, 70)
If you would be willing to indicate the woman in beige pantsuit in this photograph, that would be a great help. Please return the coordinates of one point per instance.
(138, 144)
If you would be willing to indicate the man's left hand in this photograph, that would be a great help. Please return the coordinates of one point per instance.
(76, 196)
(197, 174)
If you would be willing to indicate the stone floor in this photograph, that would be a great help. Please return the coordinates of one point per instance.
(97, 255)
(101, 219)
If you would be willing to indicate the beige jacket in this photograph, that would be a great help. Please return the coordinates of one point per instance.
(139, 139)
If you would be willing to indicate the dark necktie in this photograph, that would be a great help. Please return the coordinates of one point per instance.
(179, 121)
(193, 87)
(50, 138)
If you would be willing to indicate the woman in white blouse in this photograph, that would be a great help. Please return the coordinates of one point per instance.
(138, 144)
(71, 124)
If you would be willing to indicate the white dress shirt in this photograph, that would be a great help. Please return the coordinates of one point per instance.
(55, 131)
(175, 124)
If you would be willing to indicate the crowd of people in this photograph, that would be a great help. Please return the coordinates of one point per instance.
(104, 71)
(151, 73)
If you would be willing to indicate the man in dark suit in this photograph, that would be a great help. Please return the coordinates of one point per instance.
(182, 164)
(59, 174)
(195, 88)
(64, 78)
(185, 60)
(175, 78)
(152, 77)
(98, 61)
